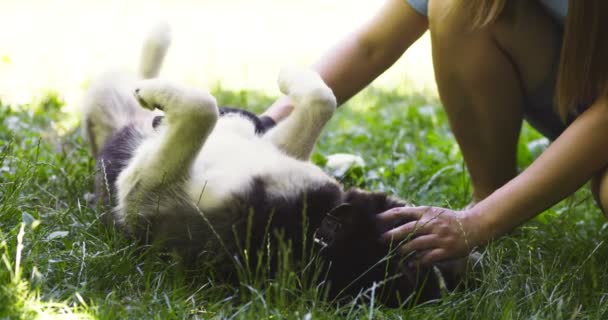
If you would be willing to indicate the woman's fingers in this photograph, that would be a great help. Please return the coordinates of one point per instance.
(419, 244)
(416, 221)
(400, 213)
(435, 234)
(427, 249)
(404, 231)
(433, 256)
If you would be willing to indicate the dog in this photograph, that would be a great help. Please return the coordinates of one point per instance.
(177, 170)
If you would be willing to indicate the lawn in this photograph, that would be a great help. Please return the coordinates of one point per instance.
(59, 261)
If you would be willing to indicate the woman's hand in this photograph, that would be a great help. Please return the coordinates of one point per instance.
(435, 234)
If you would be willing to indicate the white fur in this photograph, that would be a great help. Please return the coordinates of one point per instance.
(109, 103)
(165, 157)
(314, 104)
(217, 161)
(222, 174)
(154, 50)
(209, 159)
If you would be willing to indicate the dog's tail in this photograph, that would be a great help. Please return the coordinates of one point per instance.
(109, 104)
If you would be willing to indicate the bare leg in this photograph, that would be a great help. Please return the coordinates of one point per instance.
(314, 104)
(483, 78)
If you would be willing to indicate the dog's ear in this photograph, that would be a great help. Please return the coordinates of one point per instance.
(366, 205)
(343, 212)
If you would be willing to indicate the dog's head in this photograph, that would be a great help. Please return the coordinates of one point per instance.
(348, 237)
(353, 220)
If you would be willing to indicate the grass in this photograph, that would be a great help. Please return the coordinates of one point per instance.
(58, 261)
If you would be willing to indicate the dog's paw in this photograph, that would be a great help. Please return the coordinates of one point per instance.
(173, 98)
(306, 88)
(153, 94)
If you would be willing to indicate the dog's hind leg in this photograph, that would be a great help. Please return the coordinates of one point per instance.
(109, 104)
(154, 50)
(314, 104)
(165, 159)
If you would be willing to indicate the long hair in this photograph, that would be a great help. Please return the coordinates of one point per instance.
(583, 70)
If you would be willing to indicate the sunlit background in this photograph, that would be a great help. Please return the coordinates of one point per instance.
(59, 45)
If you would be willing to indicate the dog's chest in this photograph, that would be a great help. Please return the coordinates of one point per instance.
(233, 156)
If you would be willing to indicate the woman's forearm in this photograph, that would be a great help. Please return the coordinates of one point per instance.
(352, 65)
(367, 53)
(363, 55)
(573, 159)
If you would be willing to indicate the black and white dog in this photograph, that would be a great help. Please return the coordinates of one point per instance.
(178, 170)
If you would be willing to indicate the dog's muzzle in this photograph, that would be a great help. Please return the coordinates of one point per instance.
(327, 233)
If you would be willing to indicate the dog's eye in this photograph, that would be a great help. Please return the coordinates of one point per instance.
(157, 121)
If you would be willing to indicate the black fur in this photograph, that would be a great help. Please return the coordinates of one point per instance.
(356, 260)
(262, 124)
(359, 259)
(112, 159)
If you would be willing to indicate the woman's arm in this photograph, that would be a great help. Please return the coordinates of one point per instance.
(365, 54)
(570, 161)
(576, 156)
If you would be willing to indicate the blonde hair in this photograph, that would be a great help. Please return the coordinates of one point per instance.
(583, 70)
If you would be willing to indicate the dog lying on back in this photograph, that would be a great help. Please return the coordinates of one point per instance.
(176, 169)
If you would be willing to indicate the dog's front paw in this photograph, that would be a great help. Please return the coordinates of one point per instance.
(153, 94)
(306, 88)
(173, 98)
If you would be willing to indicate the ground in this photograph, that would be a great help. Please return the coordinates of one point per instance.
(59, 261)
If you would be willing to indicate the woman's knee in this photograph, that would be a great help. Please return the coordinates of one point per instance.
(523, 34)
(450, 19)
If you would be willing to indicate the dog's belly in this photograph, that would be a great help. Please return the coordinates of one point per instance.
(233, 156)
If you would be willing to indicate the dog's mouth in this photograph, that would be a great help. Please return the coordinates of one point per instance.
(331, 227)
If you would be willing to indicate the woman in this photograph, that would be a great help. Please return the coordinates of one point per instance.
(497, 62)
